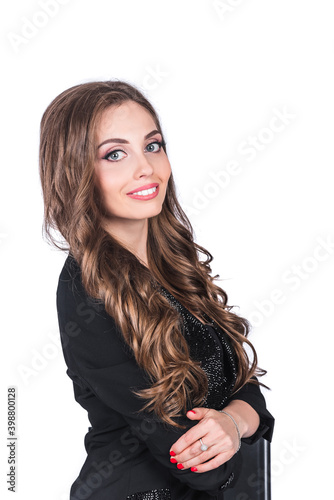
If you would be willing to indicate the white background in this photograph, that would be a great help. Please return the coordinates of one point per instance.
(218, 73)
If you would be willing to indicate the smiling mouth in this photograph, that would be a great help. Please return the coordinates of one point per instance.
(145, 192)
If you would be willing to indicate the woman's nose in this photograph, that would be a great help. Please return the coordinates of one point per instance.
(143, 166)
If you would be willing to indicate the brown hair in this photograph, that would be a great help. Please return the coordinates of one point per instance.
(111, 273)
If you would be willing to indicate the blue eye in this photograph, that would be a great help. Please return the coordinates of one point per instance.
(154, 147)
(114, 155)
(119, 154)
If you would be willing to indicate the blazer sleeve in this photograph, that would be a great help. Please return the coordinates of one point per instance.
(251, 394)
(95, 351)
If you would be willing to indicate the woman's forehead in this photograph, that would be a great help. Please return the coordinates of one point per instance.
(128, 118)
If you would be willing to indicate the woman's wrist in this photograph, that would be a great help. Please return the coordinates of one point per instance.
(236, 427)
(246, 418)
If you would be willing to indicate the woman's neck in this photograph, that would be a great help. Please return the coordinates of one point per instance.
(132, 234)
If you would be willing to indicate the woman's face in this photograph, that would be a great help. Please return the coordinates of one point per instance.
(132, 169)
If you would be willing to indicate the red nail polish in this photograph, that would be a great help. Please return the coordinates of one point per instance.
(192, 411)
(172, 453)
(173, 460)
(193, 469)
(180, 466)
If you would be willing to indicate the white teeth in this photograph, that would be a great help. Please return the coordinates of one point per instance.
(145, 192)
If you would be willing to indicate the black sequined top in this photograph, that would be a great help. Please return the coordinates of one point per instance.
(128, 450)
(209, 345)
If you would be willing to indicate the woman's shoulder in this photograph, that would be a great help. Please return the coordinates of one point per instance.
(83, 320)
(69, 274)
(70, 288)
(70, 285)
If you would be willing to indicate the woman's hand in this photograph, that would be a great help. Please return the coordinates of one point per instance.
(218, 433)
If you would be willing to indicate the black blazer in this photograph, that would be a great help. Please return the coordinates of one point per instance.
(127, 451)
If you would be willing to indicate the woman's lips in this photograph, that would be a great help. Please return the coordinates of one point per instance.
(143, 188)
(145, 192)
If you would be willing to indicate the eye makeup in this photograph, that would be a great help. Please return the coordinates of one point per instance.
(161, 144)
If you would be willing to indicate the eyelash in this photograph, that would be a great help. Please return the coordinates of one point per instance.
(160, 144)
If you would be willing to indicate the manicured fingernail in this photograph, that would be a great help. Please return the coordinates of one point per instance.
(180, 466)
(173, 460)
(193, 469)
(172, 453)
(192, 411)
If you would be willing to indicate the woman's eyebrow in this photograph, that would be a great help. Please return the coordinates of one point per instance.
(123, 141)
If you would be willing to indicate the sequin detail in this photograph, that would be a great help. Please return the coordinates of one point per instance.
(209, 345)
(161, 494)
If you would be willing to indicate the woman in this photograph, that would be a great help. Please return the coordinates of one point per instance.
(155, 354)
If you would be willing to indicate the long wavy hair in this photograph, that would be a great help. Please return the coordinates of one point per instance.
(112, 274)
